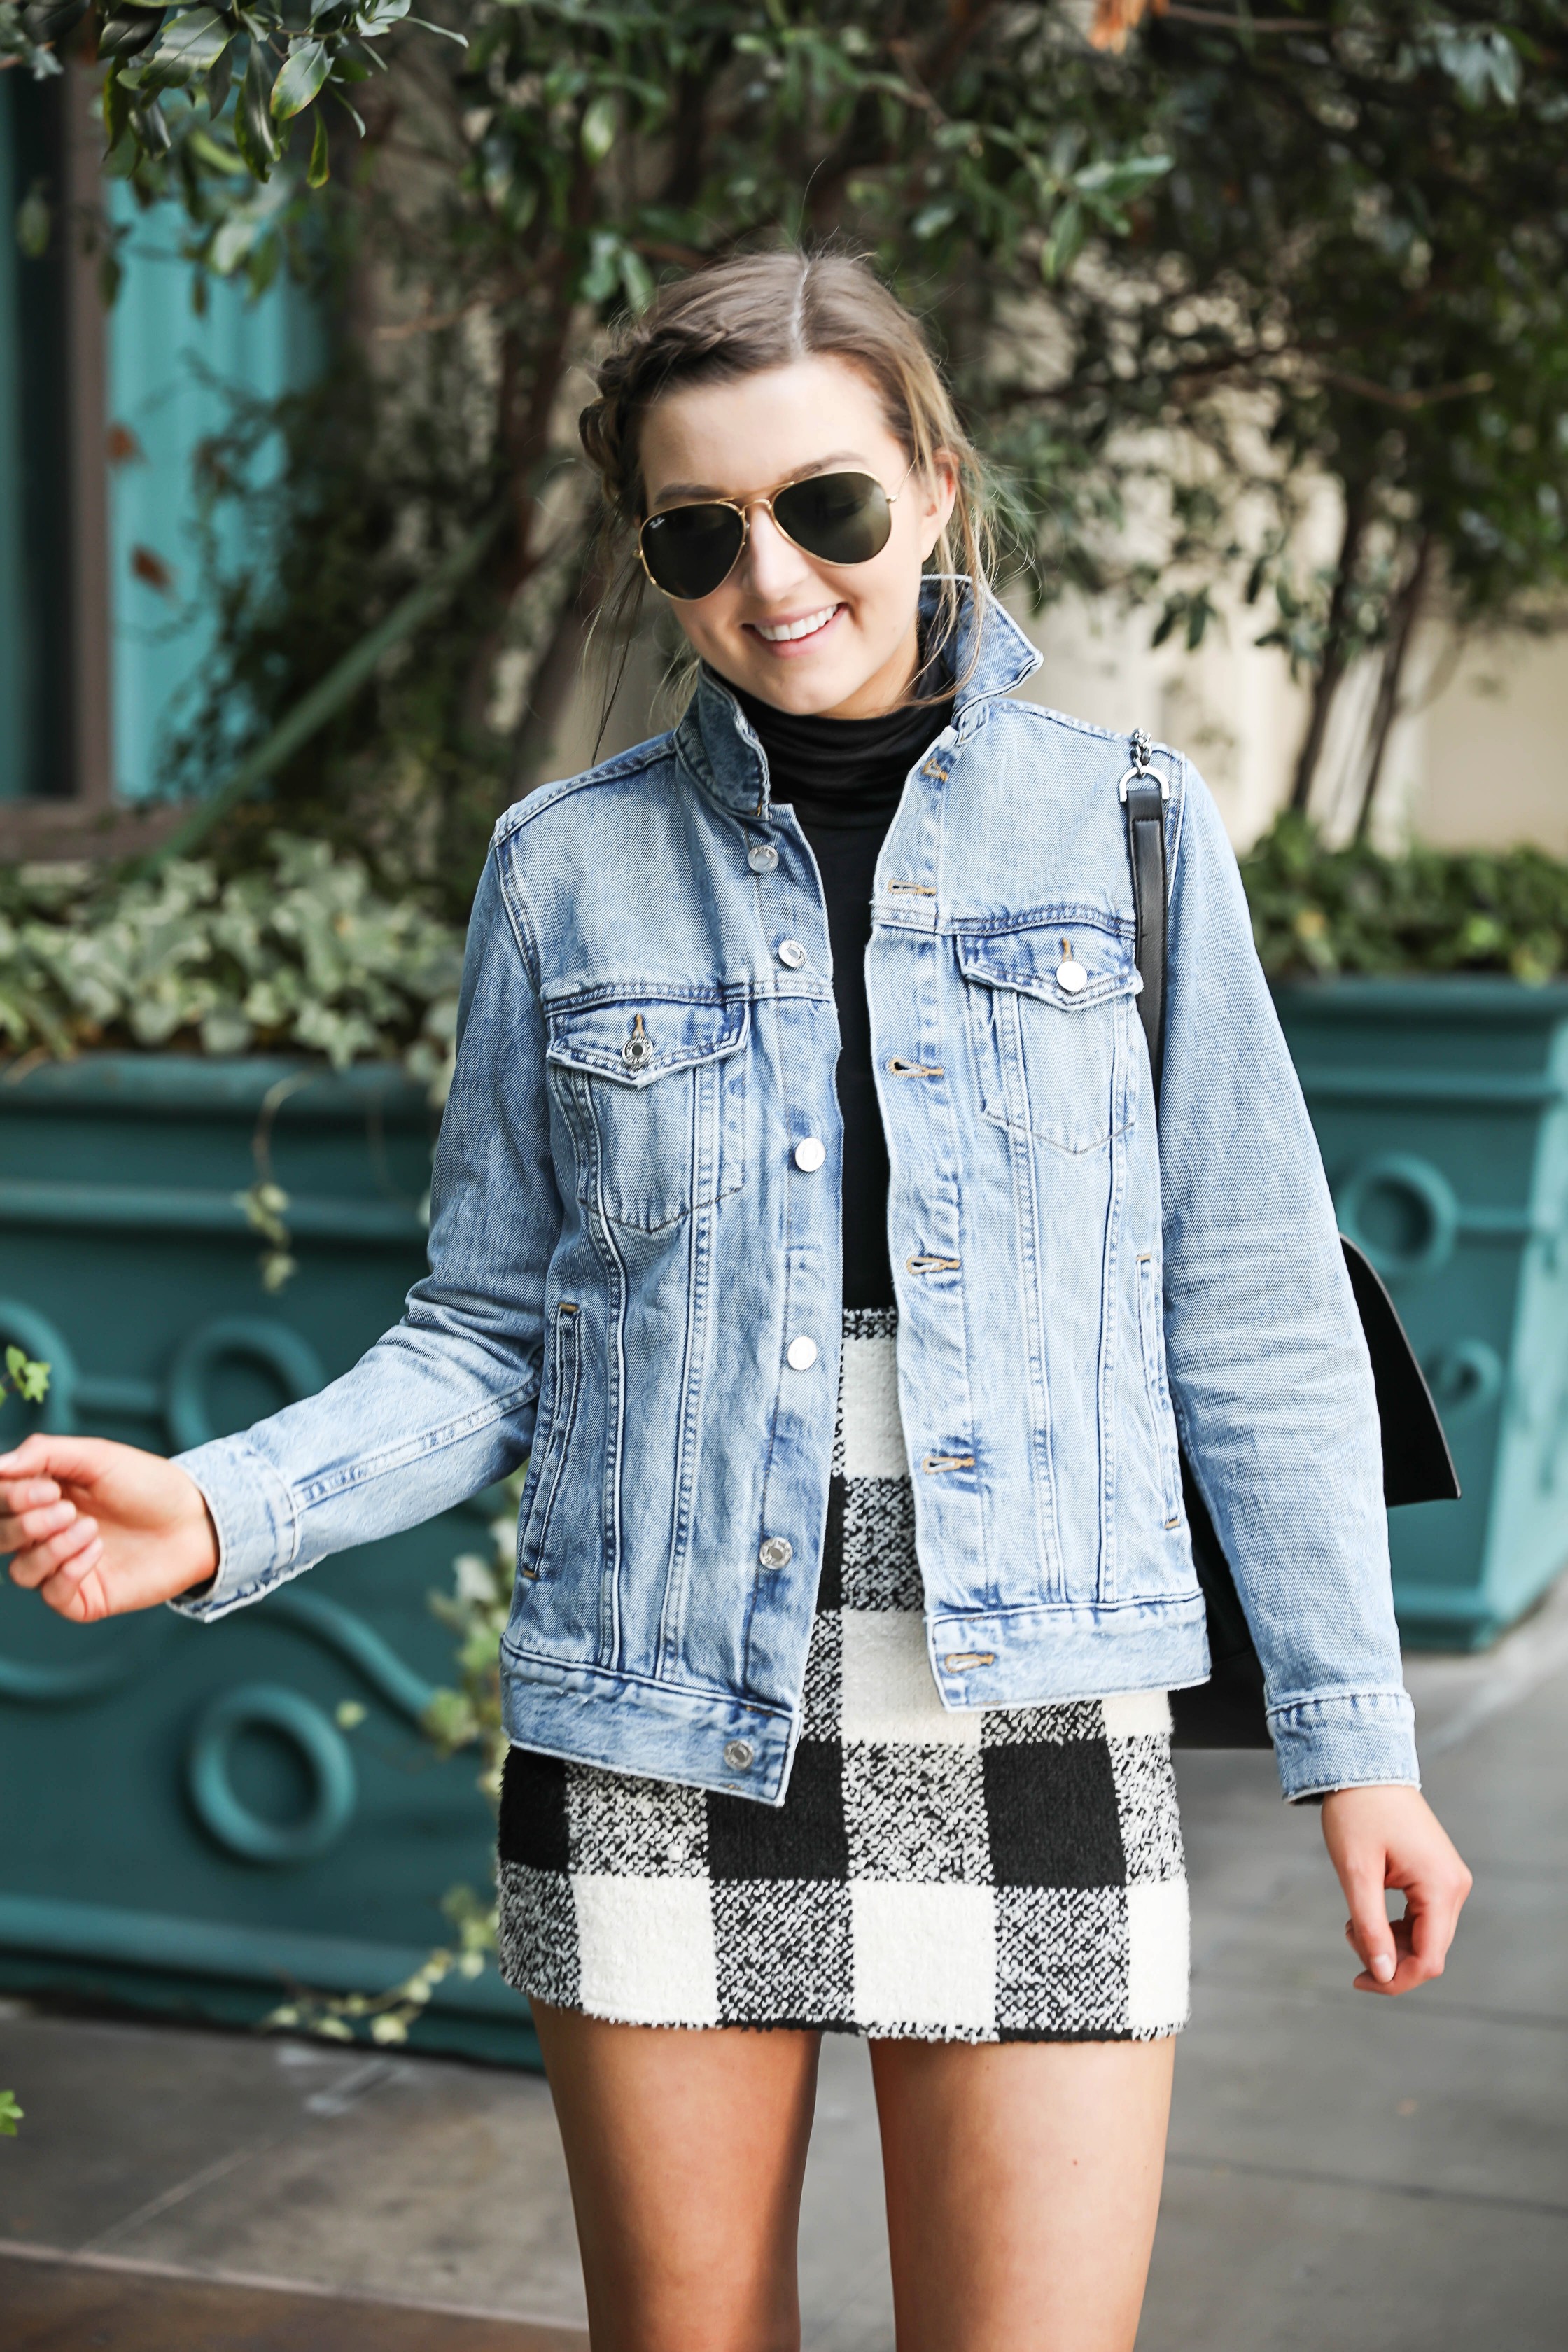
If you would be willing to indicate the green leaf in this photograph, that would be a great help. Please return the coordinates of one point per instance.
(217, 83)
(191, 46)
(1064, 245)
(10, 2115)
(150, 125)
(116, 109)
(126, 36)
(52, 20)
(319, 170)
(254, 134)
(932, 218)
(1120, 176)
(600, 120)
(34, 222)
(636, 278)
(305, 69)
(221, 158)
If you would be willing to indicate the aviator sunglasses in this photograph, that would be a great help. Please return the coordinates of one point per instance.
(687, 551)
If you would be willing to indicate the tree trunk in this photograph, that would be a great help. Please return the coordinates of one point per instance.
(1336, 641)
(1385, 710)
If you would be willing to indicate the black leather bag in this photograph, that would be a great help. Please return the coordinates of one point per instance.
(1228, 1711)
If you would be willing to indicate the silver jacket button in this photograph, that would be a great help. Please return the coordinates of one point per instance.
(775, 1551)
(763, 859)
(809, 1153)
(1072, 976)
(792, 954)
(802, 1354)
(738, 1755)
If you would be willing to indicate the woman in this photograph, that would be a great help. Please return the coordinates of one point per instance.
(836, 1681)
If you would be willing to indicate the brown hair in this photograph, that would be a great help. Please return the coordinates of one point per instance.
(760, 310)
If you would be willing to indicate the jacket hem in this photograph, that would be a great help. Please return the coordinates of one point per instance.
(1067, 1649)
(648, 1730)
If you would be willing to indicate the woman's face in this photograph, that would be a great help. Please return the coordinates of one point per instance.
(832, 640)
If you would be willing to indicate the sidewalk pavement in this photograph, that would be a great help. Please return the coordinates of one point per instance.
(1346, 2172)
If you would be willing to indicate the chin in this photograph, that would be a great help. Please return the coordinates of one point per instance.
(802, 684)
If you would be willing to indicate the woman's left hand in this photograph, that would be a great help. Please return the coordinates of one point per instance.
(1390, 1837)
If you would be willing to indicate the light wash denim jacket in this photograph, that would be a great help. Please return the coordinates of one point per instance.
(635, 1283)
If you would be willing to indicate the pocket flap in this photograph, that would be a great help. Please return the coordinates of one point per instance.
(636, 1039)
(1062, 960)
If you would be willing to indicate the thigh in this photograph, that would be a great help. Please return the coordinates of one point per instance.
(686, 2148)
(1023, 2188)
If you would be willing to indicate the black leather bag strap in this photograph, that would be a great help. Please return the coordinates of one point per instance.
(1227, 1710)
(1144, 794)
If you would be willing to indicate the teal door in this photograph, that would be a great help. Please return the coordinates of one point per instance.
(185, 1823)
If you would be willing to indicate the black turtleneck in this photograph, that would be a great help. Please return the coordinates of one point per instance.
(843, 778)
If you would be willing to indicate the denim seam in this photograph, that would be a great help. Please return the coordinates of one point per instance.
(1299, 1702)
(627, 1678)
(368, 1467)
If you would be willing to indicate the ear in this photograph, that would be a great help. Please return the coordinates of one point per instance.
(937, 494)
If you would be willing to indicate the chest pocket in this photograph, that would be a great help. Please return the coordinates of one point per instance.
(1050, 1012)
(655, 1091)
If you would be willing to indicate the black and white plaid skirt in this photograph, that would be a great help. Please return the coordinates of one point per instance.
(1010, 1874)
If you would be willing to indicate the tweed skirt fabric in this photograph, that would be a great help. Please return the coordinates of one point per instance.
(1012, 1875)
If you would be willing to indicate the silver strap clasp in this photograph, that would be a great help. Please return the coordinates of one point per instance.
(1142, 772)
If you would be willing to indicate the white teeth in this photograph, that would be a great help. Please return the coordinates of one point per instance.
(784, 632)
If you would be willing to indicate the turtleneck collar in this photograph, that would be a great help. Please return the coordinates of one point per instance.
(843, 771)
(718, 746)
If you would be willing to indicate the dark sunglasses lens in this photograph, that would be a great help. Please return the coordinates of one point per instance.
(840, 518)
(691, 550)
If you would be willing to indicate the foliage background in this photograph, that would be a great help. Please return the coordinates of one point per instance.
(1186, 266)
(1179, 286)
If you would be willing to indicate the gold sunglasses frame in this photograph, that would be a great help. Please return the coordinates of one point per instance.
(743, 507)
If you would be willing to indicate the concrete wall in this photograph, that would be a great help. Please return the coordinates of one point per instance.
(1480, 760)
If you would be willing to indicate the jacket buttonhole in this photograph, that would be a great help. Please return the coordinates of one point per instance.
(959, 1662)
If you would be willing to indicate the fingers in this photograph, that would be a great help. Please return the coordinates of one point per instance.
(39, 1511)
(54, 1546)
(1368, 1929)
(79, 1460)
(77, 1590)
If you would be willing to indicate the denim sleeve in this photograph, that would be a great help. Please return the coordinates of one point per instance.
(1269, 1373)
(444, 1403)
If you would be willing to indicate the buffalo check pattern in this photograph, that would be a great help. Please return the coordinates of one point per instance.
(1014, 1874)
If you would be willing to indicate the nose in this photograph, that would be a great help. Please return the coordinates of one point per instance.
(771, 564)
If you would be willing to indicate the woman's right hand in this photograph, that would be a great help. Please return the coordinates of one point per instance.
(97, 1528)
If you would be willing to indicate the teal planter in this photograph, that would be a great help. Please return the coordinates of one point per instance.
(184, 1825)
(1441, 1106)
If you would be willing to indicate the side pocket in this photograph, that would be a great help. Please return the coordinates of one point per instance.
(1152, 1330)
(563, 1412)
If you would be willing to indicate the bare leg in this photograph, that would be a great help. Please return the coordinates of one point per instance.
(686, 2150)
(1022, 2188)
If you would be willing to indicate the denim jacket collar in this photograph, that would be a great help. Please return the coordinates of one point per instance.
(717, 745)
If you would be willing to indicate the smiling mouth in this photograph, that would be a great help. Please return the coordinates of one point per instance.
(789, 633)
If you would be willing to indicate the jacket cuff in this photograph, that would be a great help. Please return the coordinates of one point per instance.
(257, 1521)
(1356, 1739)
